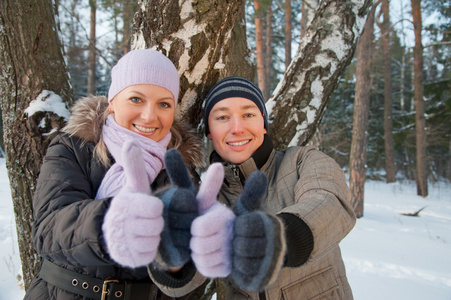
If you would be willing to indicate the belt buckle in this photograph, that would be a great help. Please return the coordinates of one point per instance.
(105, 290)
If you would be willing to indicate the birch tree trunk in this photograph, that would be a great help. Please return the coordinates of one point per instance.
(420, 123)
(359, 144)
(31, 65)
(206, 40)
(308, 12)
(299, 101)
(287, 33)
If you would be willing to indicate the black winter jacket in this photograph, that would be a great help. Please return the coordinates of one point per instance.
(67, 219)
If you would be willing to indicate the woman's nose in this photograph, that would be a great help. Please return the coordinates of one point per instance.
(148, 114)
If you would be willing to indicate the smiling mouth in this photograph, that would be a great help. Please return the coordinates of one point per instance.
(239, 143)
(144, 129)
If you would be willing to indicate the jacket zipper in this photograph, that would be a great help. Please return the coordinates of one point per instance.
(236, 171)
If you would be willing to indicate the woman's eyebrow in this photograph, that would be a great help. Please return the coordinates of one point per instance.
(143, 95)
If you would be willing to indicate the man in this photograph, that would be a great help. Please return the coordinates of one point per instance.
(287, 247)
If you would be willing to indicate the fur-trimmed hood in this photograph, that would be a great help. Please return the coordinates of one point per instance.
(89, 114)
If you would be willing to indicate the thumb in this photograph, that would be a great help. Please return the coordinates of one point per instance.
(134, 167)
(176, 169)
(210, 186)
(252, 194)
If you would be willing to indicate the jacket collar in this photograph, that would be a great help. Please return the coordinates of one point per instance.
(255, 162)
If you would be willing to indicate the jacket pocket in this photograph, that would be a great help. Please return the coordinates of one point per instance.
(319, 285)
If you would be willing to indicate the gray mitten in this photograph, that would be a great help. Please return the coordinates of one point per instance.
(180, 209)
(259, 242)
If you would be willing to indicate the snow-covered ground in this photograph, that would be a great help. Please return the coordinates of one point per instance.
(388, 255)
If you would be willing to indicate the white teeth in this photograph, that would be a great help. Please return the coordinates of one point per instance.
(144, 129)
(239, 143)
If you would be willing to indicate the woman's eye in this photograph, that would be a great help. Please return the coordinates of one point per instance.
(221, 118)
(165, 105)
(135, 99)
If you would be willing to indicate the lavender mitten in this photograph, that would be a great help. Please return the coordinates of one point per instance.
(212, 231)
(134, 221)
(259, 241)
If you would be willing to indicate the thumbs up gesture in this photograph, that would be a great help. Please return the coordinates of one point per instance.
(180, 209)
(212, 230)
(134, 221)
(259, 243)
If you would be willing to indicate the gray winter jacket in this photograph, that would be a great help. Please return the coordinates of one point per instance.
(67, 221)
(306, 184)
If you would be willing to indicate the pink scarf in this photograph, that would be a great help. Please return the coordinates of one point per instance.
(114, 137)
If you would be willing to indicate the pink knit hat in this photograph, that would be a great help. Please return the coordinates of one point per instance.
(144, 66)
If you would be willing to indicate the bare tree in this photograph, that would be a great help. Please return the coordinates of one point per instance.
(92, 50)
(32, 65)
(359, 144)
(268, 55)
(129, 8)
(260, 45)
(420, 122)
(388, 102)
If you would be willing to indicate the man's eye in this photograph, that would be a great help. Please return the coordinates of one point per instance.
(249, 115)
(221, 118)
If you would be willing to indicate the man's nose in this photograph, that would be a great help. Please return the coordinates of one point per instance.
(236, 125)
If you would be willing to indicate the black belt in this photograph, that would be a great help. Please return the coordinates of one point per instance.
(92, 287)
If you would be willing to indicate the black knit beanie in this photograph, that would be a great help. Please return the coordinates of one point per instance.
(234, 87)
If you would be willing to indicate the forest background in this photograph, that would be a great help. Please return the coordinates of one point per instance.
(94, 34)
(334, 134)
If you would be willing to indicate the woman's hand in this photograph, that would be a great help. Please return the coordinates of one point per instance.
(134, 221)
(212, 230)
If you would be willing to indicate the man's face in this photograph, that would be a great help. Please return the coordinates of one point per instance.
(236, 129)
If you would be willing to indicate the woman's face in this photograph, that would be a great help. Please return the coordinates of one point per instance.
(145, 109)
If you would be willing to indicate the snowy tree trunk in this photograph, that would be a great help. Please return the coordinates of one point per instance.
(31, 62)
(299, 101)
(205, 39)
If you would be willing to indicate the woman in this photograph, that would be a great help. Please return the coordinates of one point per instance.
(96, 224)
